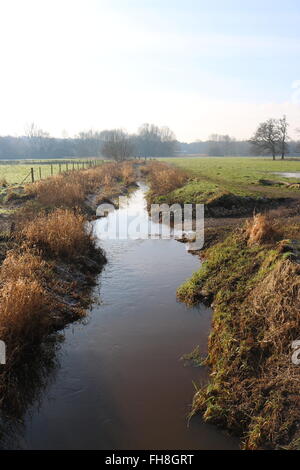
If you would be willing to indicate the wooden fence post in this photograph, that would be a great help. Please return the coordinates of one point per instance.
(40, 172)
(32, 175)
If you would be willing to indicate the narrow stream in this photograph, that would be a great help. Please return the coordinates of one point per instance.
(120, 383)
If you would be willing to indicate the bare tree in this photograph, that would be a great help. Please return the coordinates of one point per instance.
(90, 142)
(117, 145)
(32, 131)
(283, 136)
(154, 141)
(38, 139)
(267, 137)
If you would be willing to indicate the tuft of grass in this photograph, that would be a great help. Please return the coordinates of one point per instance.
(24, 304)
(194, 358)
(60, 233)
(260, 229)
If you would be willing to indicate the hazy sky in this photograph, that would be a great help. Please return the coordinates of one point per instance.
(200, 67)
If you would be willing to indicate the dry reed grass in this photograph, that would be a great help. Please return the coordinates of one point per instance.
(25, 304)
(57, 191)
(261, 229)
(60, 233)
(164, 178)
(71, 189)
(23, 264)
(127, 173)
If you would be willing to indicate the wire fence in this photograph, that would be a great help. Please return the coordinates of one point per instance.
(46, 170)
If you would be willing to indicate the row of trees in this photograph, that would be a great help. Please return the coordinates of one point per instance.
(149, 141)
(271, 137)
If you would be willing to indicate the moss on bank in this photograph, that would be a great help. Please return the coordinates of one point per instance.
(254, 387)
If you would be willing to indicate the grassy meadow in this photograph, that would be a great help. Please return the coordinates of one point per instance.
(15, 171)
(237, 175)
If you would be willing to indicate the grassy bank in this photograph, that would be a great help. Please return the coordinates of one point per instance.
(227, 186)
(251, 277)
(49, 262)
(253, 280)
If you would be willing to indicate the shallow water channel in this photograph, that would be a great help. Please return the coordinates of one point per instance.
(295, 174)
(120, 383)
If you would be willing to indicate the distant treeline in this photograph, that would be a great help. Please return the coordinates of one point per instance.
(149, 141)
(219, 145)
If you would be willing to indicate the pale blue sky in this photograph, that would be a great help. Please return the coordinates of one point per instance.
(198, 66)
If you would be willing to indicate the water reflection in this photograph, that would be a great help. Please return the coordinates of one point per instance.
(24, 386)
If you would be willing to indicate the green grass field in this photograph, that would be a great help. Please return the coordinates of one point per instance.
(238, 175)
(16, 171)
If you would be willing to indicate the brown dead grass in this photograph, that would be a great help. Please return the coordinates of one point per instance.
(25, 304)
(261, 229)
(71, 189)
(58, 191)
(127, 173)
(164, 178)
(23, 264)
(60, 233)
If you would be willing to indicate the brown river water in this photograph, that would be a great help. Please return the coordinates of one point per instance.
(118, 382)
